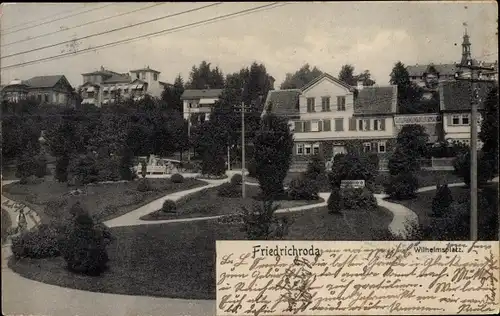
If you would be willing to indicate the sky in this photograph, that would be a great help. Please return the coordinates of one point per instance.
(370, 36)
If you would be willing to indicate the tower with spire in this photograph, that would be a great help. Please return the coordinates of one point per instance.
(466, 54)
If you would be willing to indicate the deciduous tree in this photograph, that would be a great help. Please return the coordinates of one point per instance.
(301, 77)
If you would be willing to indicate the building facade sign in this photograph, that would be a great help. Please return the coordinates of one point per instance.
(417, 119)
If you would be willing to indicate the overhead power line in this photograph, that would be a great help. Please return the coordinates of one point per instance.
(81, 25)
(58, 19)
(38, 20)
(153, 34)
(113, 30)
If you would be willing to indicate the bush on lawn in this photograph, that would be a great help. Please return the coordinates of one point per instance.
(55, 207)
(229, 190)
(143, 185)
(61, 172)
(84, 247)
(168, 206)
(260, 222)
(252, 168)
(402, 186)
(303, 188)
(485, 167)
(334, 203)
(41, 166)
(126, 165)
(177, 178)
(353, 166)
(442, 201)
(36, 244)
(354, 199)
(236, 179)
(315, 167)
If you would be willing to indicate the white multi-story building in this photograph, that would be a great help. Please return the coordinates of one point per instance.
(198, 104)
(327, 113)
(106, 87)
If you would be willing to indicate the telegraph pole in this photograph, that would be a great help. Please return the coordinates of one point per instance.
(242, 108)
(474, 78)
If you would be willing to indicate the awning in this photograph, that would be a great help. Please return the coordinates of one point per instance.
(105, 102)
(112, 88)
(105, 89)
(112, 100)
(90, 89)
(208, 101)
(139, 86)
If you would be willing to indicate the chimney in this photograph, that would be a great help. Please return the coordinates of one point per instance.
(102, 68)
(360, 85)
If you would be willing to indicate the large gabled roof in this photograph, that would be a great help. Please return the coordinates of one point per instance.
(283, 102)
(376, 100)
(326, 75)
(456, 95)
(44, 81)
(193, 94)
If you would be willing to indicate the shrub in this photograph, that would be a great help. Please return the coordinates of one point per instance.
(260, 223)
(168, 206)
(442, 201)
(126, 164)
(37, 244)
(84, 247)
(177, 178)
(315, 167)
(353, 166)
(402, 186)
(353, 199)
(303, 188)
(236, 179)
(252, 168)
(402, 162)
(61, 172)
(41, 167)
(229, 190)
(485, 172)
(334, 203)
(55, 208)
(143, 185)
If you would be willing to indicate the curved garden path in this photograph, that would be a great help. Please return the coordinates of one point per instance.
(24, 296)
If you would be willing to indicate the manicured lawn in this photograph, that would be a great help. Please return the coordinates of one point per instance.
(422, 203)
(103, 201)
(208, 203)
(6, 224)
(178, 259)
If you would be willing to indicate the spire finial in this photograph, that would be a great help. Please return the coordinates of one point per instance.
(465, 28)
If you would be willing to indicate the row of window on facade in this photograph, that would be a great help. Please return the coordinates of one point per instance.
(325, 104)
(462, 119)
(338, 125)
(314, 148)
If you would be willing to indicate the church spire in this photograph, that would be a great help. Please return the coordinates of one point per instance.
(466, 55)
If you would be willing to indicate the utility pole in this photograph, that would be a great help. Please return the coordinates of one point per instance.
(242, 108)
(189, 133)
(474, 77)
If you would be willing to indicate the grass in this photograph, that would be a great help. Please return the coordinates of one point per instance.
(6, 224)
(208, 203)
(103, 201)
(178, 260)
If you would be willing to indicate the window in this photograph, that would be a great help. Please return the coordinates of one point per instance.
(360, 125)
(137, 75)
(455, 120)
(381, 147)
(367, 147)
(377, 125)
(325, 104)
(327, 125)
(299, 127)
(39, 98)
(155, 77)
(143, 75)
(316, 149)
(341, 103)
(300, 149)
(465, 119)
(46, 97)
(315, 126)
(339, 124)
(366, 125)
(310, 105)
(307, 148)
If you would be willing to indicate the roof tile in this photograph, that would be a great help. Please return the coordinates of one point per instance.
(283, 102)
(43, 81)
(191, 94)
(456, 95)
(376, 100)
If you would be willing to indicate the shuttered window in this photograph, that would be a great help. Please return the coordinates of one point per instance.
(325, 104)
(382, 124)
(299, 127)
(352, 124)
(327, 125)
(307, 126)
(340, 103)
(310, 105)
(339, 124)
